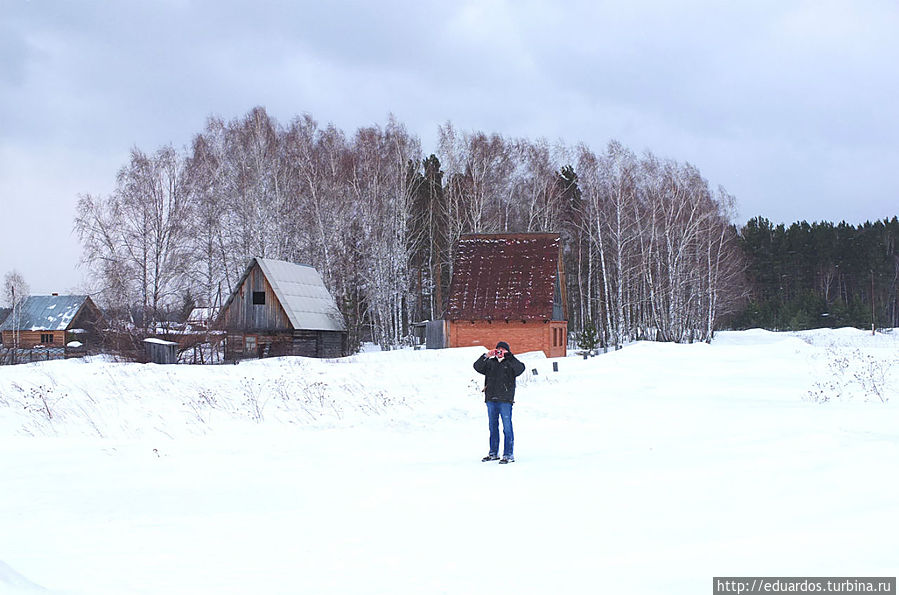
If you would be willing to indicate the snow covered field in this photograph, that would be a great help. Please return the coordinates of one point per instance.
(647, 470)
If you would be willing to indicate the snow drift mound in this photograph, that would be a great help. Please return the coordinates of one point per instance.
(12, 582)
(123, 400)
(105, 399)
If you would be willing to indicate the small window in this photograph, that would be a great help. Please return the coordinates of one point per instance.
(558, 336)
(249, 345)
(258, 298)
(46, 338)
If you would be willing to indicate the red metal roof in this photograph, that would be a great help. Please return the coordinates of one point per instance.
(504, 277)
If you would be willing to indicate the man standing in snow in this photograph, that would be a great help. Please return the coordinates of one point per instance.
(500, 368)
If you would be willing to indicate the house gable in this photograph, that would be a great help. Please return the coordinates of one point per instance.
(274, 295)
(254, 305)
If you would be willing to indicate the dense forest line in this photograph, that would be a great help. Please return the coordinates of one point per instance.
(650, 250)
(820, 275)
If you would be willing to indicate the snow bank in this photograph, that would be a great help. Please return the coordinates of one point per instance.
(14, 583)
(646, 470)
(105, 399)
(126, 400)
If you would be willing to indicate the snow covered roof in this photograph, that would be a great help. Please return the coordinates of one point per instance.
(504, 277)
(46, 313)
(301, 292)
(156, 341)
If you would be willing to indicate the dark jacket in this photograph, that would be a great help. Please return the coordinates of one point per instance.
(499, 381)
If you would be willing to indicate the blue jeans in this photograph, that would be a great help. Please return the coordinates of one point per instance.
(495, 411)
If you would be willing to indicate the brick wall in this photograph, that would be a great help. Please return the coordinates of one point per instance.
(521, 336)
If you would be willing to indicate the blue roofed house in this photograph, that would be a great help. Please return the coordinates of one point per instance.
(52, 321)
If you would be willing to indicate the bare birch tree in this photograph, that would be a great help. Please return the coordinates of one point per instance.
(137, 241)
(212, 269)
(591, 174)
(255, 153)
(647, 246)
(537, 192)
(384, 187)
(15, 292)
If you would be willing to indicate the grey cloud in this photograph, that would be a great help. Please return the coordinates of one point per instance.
(788, 105)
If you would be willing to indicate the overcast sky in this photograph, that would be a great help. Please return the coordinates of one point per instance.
(792, 106)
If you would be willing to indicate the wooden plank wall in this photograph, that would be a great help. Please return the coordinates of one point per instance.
(319, 343)
(244, 315)
(303, 343)
(31, 338)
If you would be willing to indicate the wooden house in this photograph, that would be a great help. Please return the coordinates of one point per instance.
(4, 312)
(280, 308)
(52, 321)
(508, 287)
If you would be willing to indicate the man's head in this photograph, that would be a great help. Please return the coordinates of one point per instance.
(502, 345)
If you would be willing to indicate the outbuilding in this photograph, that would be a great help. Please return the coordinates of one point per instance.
(161, 352)
(281, 308)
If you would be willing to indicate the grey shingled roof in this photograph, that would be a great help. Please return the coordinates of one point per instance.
(46, 313)
(302, 293)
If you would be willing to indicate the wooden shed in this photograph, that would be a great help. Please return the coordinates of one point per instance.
(281, 308)
(509, 287)
(161, 352)
(52, 321)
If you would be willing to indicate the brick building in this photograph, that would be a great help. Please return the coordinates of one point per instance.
(508, 287)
